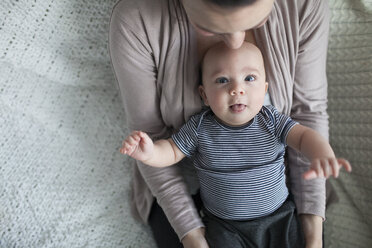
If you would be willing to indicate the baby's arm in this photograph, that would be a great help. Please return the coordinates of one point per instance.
(323, 160)
(162, 153)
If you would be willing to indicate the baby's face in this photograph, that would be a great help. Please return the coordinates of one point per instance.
(234, 83)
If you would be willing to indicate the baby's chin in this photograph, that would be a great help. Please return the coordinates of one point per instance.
(240, 119)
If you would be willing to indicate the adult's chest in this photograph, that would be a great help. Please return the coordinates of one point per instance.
(178, 78)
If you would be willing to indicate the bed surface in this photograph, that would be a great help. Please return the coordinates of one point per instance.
(63, 182)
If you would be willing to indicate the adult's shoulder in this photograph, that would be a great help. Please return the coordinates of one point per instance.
(302, 7)
(152, 22)
(307, 20)
(302, 10)
(148, 14)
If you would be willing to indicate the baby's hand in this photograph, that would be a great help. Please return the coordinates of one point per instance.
(138, 145)
(324, 168)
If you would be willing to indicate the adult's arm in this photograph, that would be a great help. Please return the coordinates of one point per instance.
(310, 109)
(135, 71)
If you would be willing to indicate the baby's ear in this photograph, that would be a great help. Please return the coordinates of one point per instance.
(203, 95)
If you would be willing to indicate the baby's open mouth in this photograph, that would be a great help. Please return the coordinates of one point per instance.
(236, 108)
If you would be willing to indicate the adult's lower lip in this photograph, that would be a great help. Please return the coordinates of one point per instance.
(237, 108)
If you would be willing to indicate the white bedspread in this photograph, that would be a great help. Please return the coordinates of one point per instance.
(63, 182)
(349, 68)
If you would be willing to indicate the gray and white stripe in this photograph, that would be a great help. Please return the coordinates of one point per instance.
(241, 170)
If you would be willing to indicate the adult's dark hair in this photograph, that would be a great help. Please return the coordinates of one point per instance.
(231, 3)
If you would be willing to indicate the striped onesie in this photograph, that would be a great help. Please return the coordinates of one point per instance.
(241, 169)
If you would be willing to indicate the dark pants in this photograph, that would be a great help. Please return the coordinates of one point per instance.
(280, 229)
(165, 237)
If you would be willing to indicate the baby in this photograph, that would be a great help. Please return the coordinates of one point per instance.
(238, 148)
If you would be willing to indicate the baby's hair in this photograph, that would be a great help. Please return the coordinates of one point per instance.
(231, 3)
(200, 79)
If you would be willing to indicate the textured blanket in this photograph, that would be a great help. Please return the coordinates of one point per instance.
(63, 182)
(349, 69)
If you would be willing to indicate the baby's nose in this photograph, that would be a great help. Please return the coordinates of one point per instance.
(237, 91)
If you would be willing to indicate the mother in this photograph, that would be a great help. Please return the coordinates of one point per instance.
(156, 47)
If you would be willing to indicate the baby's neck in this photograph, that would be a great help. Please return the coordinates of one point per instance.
(225, 123)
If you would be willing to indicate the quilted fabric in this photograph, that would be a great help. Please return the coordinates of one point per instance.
(349, 69)
(63, 182)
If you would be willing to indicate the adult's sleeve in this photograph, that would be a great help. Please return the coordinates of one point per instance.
(310, 101)
(135, 71)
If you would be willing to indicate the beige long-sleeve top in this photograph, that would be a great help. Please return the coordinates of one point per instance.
(154, 57)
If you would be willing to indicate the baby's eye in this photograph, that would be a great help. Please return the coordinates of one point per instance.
(222, 80)
(250, 78)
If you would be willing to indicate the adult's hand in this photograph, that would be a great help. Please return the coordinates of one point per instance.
(312, 226)
(195, 239)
